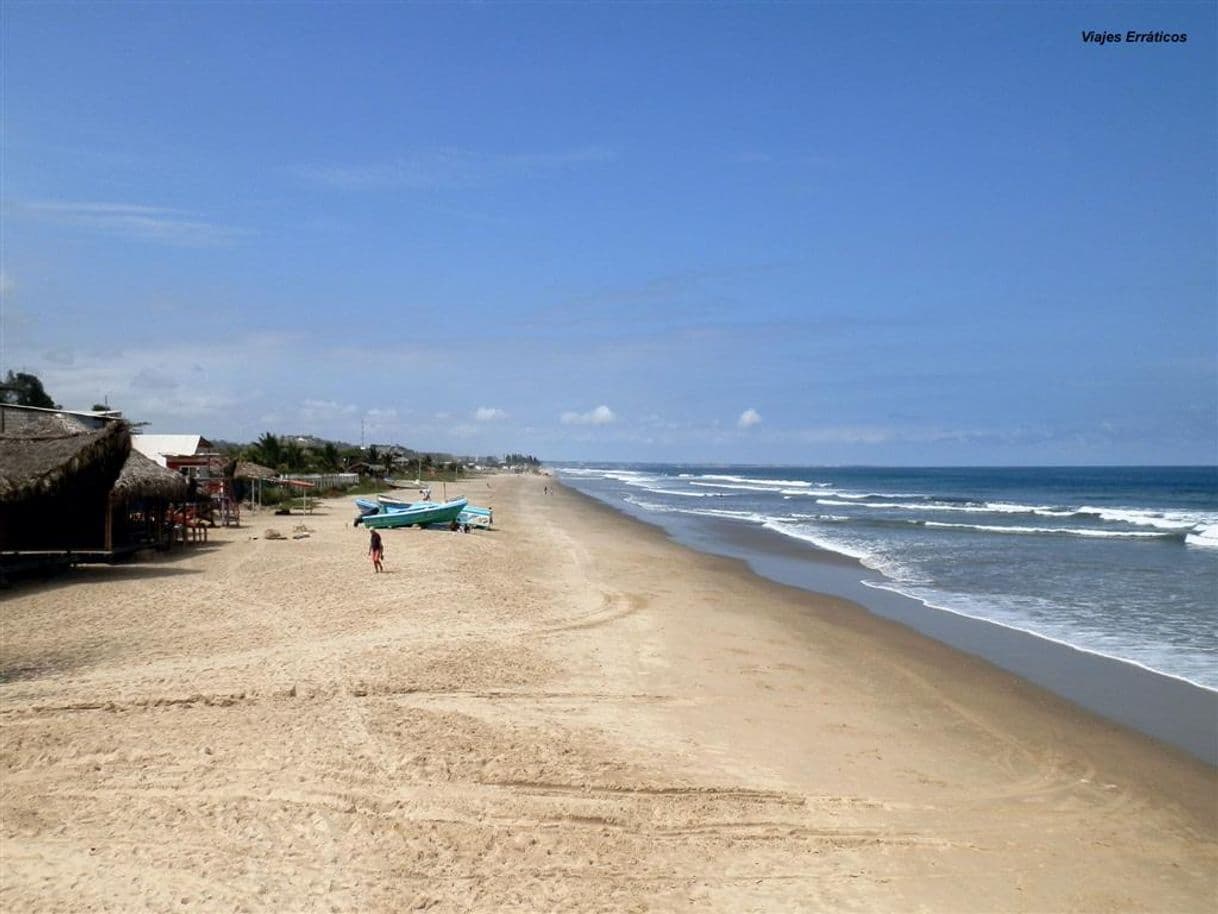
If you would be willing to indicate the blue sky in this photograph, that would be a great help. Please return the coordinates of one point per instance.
(792, 233)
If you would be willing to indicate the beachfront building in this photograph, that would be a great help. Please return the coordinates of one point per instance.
(190, 455)
(56, 473)
(141, 505)
(209, 473)
(73, 489)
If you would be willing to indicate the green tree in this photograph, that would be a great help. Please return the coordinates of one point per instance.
(329, 458)
(24, 389)
(267, 451)
(294, 457)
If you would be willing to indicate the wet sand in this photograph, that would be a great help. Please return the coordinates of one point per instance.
(1180, 713)
(570, 712)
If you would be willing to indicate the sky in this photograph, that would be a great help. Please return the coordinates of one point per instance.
(878, 233)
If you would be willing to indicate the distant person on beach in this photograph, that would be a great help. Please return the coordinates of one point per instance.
(376, 549)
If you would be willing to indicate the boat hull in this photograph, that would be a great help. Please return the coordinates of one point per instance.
(420, 514)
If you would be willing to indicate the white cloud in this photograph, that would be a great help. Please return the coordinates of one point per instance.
(602, 415)
(147, 223)
(449, 167)
(152, 378)
(489, 414)
(749, 418)
(847, 435)
(325, 410)
(61, 356)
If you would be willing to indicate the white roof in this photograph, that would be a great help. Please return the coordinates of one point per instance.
(158, 447)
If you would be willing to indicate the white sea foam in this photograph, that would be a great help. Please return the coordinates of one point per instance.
(879, 495)
(1204, 536)
(1101, 644)
(903, 506)
(1163, 520)
(1063, 531)
(865, 553)
(687, 494)
(1080, 618)
(769, 483)
(1176, 521)
(661, 508)
(652, 505)
(631, 478)
(816, 539)
(768, 490)
(1003, 507)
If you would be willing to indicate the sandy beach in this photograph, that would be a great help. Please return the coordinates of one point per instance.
(569, 712)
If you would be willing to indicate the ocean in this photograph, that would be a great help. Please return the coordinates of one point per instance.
(1118, 562)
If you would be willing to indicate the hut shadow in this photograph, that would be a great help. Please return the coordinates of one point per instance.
(146, 564)
(47, 580)
(88, 574)
(41, 667)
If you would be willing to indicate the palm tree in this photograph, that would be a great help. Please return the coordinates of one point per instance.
(329, 457)
(294, 456)
(268, 451)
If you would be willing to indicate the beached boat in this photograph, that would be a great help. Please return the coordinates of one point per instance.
(367, 506)
(476, 516)
(396, 503)
(419, 514)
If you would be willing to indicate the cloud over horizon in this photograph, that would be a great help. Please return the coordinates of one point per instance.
(602, 415)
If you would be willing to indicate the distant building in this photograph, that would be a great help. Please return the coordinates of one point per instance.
(190, 455)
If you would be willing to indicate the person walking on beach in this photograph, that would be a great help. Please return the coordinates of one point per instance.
(376, 549)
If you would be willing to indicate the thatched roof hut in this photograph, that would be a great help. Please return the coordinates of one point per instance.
(55, 480)
(247, 469)
(48, 457)
(142, 477)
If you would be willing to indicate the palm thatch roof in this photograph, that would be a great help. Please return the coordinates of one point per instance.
(56, 453)
(145, 478)
(247, 469)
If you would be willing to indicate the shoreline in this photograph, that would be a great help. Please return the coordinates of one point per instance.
(1176, 710)
(569, 712)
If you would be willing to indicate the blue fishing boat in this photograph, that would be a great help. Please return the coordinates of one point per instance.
(420, 514)
(476, 516)
(396, 503)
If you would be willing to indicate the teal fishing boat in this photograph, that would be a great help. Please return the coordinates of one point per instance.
(476, 516)
(420, 514)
